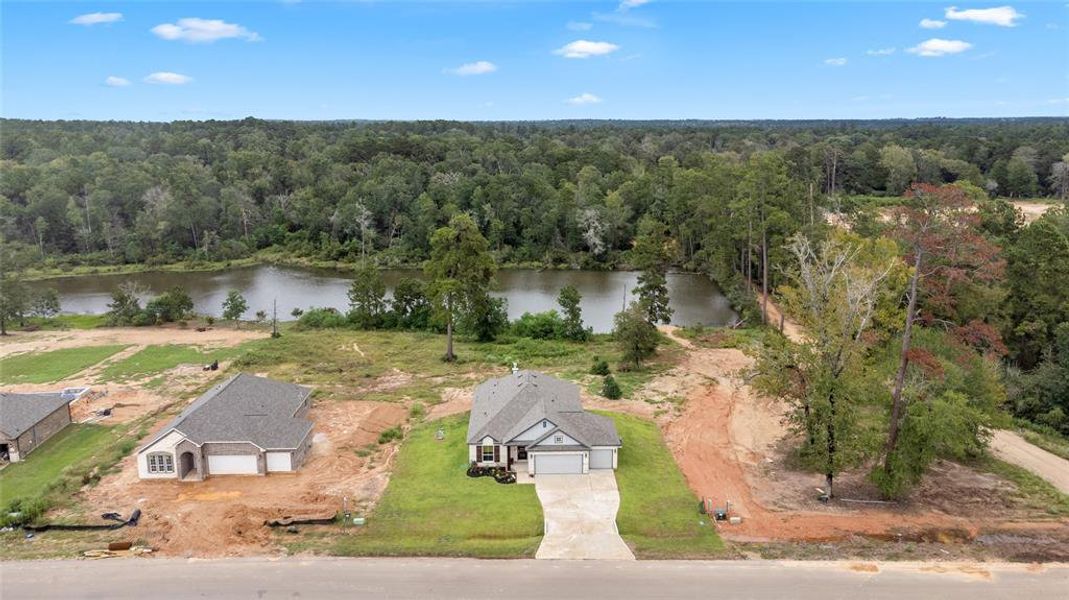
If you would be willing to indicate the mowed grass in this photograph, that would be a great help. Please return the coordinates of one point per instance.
(658, 514)
(31, 478)
(156, 359)
(45, 367)
(432, 508)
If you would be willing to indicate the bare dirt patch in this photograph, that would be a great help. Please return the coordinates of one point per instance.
(1032, 210)
(43, 341)
(224, 516)
(727, 441)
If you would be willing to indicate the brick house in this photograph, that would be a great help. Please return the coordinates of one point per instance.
(27, 420)
(246, 425)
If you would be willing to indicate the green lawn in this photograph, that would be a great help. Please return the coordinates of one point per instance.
(74, 445)
(44, 367)
(658, 514)
(432, 508)
(156, 359)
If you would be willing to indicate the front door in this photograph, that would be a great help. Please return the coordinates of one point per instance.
(521, 453)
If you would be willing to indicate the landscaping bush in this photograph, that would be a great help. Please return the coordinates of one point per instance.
(540, 326)
(322, 318)
(500, 474)
(601, 367)
(610, 389)
(391, 434)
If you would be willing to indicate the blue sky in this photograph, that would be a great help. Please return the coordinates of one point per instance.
(629, 59)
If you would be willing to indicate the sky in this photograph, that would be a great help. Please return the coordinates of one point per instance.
(501, 60)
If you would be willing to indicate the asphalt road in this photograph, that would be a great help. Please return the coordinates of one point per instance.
(523, 579)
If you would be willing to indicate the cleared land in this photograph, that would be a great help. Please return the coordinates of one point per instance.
(724, 440)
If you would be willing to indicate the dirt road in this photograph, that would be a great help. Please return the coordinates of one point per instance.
(1012, 448)
(1032, 210)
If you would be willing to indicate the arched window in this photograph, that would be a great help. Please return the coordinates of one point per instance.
(161, 462)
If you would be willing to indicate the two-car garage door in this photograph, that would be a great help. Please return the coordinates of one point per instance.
(558, 463)
(232, 464)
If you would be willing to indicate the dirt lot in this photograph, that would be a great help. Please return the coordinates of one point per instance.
(729, 445)
(224, 516)
(139, 337)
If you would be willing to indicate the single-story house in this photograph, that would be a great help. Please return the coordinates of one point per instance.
(27, 420)
(530, 421)
(247, 425)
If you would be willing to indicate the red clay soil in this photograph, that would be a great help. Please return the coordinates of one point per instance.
(224, 516)
(724, 461)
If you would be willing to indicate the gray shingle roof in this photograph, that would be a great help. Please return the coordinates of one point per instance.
(19, 412)
(245, 408)
(507, 406)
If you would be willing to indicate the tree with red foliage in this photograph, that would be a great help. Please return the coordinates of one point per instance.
(938, 228)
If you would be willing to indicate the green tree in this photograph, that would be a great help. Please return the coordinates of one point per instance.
(834, 289)
(44, 303)
(900, 167)
(610, 389)
(234, 306)
(14, 301)
(409, 305)
(1021, 179)
(125, 305)
(173, 305)
(461, 270)
(653, 253)
(367, 296)
(636, 337)
(570, 301)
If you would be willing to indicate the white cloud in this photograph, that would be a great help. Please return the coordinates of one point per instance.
(939, 47)
(629, 4)
(583, 99)
(579, 26)
(168, 78)
(932, 24)
(114, 81)
(624, 19)
(96, 18)
(835, 62)
(586, 49)
(203, 31)
(1003, 16)
(479, 67)
(880, 52)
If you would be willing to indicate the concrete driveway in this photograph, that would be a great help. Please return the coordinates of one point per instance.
(580, 513)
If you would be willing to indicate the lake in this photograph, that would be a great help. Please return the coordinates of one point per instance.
(695, 298)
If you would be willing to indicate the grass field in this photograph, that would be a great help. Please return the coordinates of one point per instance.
(658, 514)
(32, 477)
(44, 367)
(156, 359)
(432, 508)
(348, 359)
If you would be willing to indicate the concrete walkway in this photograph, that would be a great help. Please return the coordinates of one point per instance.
(580, 513)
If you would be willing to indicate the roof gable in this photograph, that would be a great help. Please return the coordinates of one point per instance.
(244, 408)
(506, 407)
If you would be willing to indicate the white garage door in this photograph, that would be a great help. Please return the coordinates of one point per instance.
(236, 464)
(279, 461)
(558, 463)
(601, 459)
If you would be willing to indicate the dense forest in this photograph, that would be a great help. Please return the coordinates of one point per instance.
(553, 193)
(973, 314)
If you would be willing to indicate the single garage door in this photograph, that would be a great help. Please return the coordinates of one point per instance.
(279, 461)
(601, 459)
(232, 464)
(558, 463)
